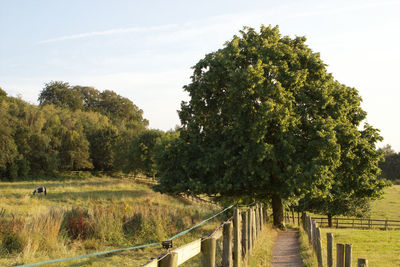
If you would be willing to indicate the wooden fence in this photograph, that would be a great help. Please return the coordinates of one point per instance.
(238, 237)
(360, 223)
(356, 223)
(343, 251)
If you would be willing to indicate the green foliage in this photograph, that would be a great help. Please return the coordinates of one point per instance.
(74, 128)
(264, 120)
(61, 95)
(2, 92)
(142, 152)
(102, 143)
(390, 166)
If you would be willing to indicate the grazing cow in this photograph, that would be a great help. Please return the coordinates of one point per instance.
(41, 189)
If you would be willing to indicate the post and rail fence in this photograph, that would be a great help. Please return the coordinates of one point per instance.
(343, 251)
(238, 234)
(355, 223)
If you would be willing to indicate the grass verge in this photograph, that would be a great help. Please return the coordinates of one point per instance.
(262, 252)
(307, 254)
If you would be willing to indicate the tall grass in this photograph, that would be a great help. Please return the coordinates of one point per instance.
(108, 214)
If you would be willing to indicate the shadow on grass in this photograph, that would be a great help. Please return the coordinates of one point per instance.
(95, 195)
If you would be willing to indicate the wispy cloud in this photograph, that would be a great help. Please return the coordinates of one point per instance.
(109, 32)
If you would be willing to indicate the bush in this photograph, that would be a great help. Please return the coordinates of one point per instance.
(11, 242)
(76, 223)
(11, 239)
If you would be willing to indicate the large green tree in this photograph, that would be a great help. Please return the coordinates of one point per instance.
(261, 123)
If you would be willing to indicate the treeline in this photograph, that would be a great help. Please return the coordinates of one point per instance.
(391, 165)
(74, 128)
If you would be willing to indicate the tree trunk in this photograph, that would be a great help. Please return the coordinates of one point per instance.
(330, 220)
(277, 210)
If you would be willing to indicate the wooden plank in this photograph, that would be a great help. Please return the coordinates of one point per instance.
(188, 251)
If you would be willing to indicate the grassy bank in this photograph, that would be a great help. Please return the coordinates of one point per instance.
(81, 216)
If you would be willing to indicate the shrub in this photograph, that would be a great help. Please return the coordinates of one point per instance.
(76, 223)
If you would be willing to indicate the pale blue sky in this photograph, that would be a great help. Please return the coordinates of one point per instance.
(143, 50)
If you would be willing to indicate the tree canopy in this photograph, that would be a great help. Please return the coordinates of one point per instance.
(73, 129)
(266, 120)
(390, 165)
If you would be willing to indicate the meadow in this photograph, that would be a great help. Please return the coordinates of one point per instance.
(380, 247)
(89, 214)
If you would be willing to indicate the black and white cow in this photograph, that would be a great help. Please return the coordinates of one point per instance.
(41, 189)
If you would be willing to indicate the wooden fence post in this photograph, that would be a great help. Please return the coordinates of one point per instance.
(256, 221)
(266, 218)
(298, 219)
(347, 260)
(386, 224)
(293, 216)
(329, 238)
(245, 236)
(227, 259)
(309, 229)
(339, 255)
(318, 247)
(314, 235)
(237, 240)
(253, 220)
(208, 248)
(250, 230)
(262, 217)
(171, 260)
(362, 262)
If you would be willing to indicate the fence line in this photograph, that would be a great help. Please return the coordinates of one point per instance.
(356, 223)
(343, 251)
(239, 234)
(123, 249)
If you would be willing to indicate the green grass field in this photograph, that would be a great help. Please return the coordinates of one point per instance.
(119, 213)
(389, 206)
(381, 248)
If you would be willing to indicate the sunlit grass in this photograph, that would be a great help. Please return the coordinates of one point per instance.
(114, 199)
(388, 207)
(381, 248)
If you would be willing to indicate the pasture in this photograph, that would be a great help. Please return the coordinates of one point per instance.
(86, 215)
(381, 248)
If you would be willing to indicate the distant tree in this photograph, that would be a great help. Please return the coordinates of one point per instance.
(390, 165)
(90, 96)
(8, 148)
(141, 157)
(102, 143)
(60, 94)
(121, 110)
(263, 122)
(2, 92)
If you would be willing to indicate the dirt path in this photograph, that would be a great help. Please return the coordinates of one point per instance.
(286, 250)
